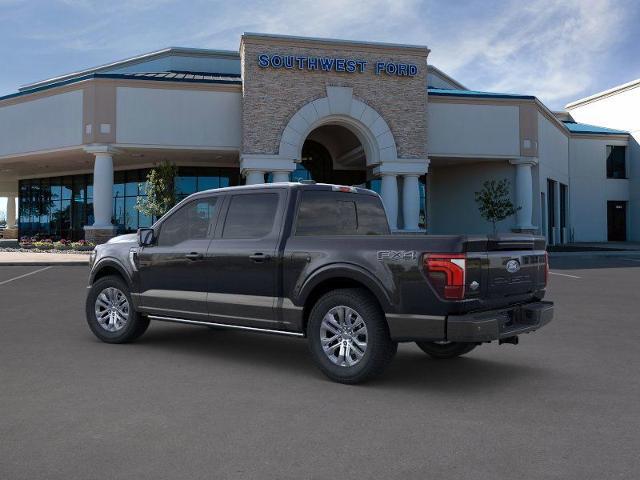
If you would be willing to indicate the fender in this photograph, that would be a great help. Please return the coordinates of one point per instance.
(113, 263)
(345, 270)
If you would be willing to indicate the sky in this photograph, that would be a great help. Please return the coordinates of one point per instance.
(557, 50)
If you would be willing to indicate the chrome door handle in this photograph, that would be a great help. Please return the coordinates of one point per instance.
(194, 256)
(260, 257)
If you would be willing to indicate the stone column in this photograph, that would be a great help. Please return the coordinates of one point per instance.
(389, 196)
(254, 177)
(411, 202)
(280, 176)
(524, 193)
(102, 228)
(11, 212)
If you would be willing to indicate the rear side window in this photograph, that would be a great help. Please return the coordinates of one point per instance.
(331, 213)
(251, 215)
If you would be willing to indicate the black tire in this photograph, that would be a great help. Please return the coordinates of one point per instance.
(443, 351)
(136, 324)
(380, 349)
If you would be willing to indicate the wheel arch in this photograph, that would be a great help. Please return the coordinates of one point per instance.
(337, 277)
(109, 267)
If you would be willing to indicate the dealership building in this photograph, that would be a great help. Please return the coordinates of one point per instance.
(75, 149)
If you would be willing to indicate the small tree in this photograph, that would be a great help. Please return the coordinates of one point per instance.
(494, 201)
(160, 190)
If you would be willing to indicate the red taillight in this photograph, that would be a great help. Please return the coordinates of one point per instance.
(446, 273)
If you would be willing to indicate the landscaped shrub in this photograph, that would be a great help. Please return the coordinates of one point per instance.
(48, 244)
(83, 245)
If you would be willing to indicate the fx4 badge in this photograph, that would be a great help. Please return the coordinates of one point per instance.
(397, 255)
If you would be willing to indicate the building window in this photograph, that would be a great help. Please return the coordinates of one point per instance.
(616, 163)
(59, 207)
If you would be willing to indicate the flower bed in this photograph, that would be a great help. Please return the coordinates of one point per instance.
(36, 244)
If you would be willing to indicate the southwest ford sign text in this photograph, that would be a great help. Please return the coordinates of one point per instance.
(332, 64)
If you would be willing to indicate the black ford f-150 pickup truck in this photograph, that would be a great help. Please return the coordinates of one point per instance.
(318, 261)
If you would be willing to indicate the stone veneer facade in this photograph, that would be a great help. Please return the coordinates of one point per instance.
(272, 96)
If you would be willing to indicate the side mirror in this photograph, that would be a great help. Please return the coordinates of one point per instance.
(146, 237)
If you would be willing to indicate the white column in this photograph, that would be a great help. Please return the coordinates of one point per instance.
(280, 176)
(411, 202)
(524, 192)
(254, 177)
(103, 189)
(11, 212)
(389, 196)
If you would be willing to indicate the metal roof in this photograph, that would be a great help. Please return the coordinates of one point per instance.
(177, 75)
(444, 92)
(187, 77)
(585, 128)
(135, 60)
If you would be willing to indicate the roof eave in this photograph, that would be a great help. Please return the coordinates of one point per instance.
(130, 61)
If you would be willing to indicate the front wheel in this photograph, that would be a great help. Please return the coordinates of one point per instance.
(348, 336)
(110, 313)
(444, 350)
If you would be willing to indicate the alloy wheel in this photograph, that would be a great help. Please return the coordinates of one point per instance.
(112, 309)
(343, 335)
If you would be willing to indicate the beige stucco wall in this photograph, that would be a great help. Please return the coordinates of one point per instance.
(178, 117)
(460, 129)
(50, 122)
(590, 189)
(272, 96)
(619, 110)
(451, 196)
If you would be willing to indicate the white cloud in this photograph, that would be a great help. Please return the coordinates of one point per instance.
(547, 48)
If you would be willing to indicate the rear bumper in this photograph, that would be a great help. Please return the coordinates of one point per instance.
(472, 327)
(499, 324)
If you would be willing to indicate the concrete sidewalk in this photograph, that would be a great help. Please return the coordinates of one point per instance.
(37, 259)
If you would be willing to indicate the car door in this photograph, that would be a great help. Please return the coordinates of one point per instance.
(243, 259)
(173, 271)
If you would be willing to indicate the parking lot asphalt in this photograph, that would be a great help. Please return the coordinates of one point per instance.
(191, 402)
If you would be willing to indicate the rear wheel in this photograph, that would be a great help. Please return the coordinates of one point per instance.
(444, 350)
(348, 336)
(110, 313)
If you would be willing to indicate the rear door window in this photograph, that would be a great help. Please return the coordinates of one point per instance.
(332, 213)
(251, 215)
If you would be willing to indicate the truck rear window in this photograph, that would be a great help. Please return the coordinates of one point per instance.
(337, 213)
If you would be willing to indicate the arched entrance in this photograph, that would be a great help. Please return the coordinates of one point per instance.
(334, 154)
(340, 139)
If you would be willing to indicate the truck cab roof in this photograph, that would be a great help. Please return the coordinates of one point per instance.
(290, 185)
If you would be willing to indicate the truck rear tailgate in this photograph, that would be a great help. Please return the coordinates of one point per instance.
(510, 267)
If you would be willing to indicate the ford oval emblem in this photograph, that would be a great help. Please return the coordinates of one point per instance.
(513, 266)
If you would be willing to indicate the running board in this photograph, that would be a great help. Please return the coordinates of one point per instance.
(225, 325)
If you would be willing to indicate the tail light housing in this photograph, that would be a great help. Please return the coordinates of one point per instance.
(446, 273)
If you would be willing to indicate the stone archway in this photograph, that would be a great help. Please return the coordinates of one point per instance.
(339, 107)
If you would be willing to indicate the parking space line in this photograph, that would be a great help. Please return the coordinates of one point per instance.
(564, 275)
(25, 275)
